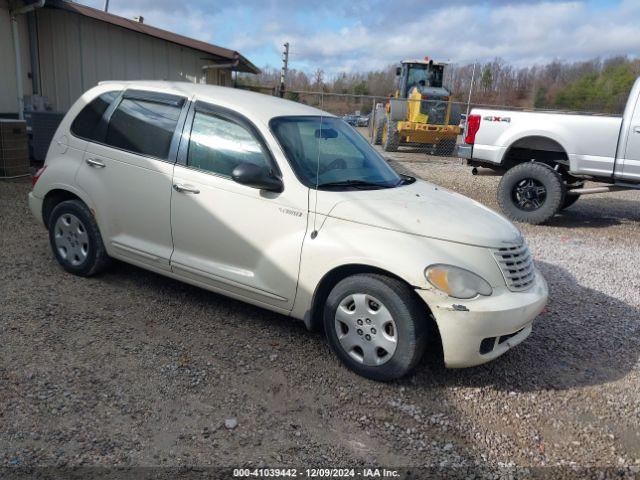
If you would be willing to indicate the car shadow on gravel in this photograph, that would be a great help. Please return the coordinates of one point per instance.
(583, 337)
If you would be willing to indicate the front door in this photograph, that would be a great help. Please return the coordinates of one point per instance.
(233, 238)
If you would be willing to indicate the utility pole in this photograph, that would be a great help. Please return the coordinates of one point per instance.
(285, 66)
(106, 5)
(473, 77)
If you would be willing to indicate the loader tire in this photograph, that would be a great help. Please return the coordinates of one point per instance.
(377, 130)
(391, 140)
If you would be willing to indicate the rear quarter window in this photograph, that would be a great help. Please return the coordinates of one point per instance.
(85, 125)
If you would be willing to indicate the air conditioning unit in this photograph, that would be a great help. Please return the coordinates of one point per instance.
(14, 148)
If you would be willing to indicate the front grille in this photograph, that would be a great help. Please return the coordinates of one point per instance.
(516, 265)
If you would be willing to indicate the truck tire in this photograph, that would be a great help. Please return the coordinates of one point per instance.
(531, 193)
(377, 130)
(391, 140)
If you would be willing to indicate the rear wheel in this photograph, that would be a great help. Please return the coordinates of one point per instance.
(75, 239)
(375, 326)
(390, 136)
(531, 192)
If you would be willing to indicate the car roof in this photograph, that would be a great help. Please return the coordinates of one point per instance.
(255, 106)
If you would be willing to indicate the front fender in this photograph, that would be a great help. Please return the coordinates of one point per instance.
(341, 242)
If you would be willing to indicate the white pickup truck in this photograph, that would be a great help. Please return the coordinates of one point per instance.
(545, 158)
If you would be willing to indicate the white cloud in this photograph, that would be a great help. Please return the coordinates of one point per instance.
(356, 35)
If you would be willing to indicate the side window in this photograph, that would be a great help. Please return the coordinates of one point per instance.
(143, 126)
(85, 125)
(218, 145)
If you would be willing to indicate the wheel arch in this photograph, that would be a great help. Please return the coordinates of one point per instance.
(313, 317)
(54, 197)
(540, 147)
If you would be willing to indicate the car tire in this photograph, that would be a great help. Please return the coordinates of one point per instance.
(531, 193)
(377, 131)
(391, 140)
(376, 326)
(75, 239)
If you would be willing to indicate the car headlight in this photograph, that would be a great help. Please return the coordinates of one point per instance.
(457, 282)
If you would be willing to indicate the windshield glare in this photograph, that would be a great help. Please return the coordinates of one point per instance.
(326, 150)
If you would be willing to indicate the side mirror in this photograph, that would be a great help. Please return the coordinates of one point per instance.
(398, 71)
(257, 177)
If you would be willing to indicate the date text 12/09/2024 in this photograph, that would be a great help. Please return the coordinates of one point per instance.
(315, 473)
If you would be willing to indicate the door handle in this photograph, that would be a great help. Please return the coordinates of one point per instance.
(94, 163)
(636, 129)
(178, 187)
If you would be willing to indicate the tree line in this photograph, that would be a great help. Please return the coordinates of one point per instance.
(597, 85)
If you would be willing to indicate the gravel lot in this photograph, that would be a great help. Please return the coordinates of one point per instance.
(131, 368)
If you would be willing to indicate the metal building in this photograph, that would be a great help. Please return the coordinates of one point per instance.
(65, 48)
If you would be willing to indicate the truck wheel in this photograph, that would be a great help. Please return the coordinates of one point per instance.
(377, 131)
(390, 136)
(376, 326)
(531, 192)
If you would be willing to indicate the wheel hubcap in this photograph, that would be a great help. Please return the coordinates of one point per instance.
(71, 239)
(366, 330)
(529, 194)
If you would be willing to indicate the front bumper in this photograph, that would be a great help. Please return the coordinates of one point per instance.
(502, 320)
(35, 205)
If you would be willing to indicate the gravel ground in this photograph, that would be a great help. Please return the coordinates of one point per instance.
(130, 368)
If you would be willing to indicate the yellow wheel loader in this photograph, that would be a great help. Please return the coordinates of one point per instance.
(420, 112)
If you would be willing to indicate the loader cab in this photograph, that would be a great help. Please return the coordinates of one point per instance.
(425, 75)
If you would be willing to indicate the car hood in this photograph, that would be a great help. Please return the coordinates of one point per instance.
(428, 210)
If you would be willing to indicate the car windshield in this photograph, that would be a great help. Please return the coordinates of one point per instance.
(327, 152)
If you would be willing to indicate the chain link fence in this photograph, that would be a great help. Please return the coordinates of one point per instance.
(401, 127)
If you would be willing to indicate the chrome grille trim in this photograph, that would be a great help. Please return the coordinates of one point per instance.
(516, 265)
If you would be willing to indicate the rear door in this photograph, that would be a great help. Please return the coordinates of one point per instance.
(127, 174)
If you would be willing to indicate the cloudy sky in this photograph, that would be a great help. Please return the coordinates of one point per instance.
(355, 35)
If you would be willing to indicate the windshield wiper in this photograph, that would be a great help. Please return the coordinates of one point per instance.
(352, 183)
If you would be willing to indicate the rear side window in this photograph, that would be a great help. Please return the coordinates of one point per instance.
(143, 126)
(85, 125)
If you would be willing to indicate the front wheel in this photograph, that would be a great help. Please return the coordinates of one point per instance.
(376, 326)
(531, 192)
